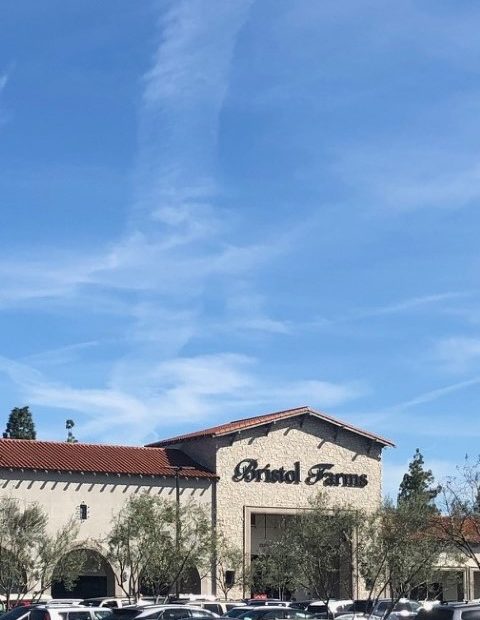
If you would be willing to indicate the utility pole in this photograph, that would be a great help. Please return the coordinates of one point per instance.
(177, 524)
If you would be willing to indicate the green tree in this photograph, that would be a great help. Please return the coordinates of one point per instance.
(154, 542)
(29, 555)
(20, 424)
(277, 567)
(230, 569)
(324, 537)
(418, 484)
(398, 549)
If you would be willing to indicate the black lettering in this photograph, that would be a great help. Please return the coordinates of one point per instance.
(268, 473)
(317, 472)
(362, 480)
(296, 466)
(275, 475)
(290, 476)
(245, 470)
(337, 479)
(281, 473)
(329, 480)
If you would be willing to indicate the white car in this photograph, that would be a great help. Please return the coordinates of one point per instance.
(163, 612)
(68, 612)
(335, 607)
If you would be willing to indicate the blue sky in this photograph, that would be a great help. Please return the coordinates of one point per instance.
(214, 209)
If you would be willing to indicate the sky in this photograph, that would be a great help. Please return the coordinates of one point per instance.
(214, 209)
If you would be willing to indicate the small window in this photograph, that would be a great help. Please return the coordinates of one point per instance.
(83, 511)
(230, 578)
(472, 614)
(253, 520)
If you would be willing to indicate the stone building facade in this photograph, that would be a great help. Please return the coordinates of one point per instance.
(246, 473)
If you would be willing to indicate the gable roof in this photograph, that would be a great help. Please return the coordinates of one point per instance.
(237, 426)
(57, 456)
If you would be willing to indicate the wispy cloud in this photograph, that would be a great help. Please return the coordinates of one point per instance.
(457, 353)
(144, 399)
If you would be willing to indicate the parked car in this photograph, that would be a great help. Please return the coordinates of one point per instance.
(405, 608)
(271, 612)
(68, 612)
(106, 601)
(451, 611)
(163, 612)
(22, 612)
(358, 609)
(332, 610)
(257, 602)
(218, 607)
(236, 611)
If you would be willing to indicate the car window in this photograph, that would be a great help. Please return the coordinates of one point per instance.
(153, 615)
(101, 613)
(79, 615)
(110, 604)
(16, 613)
(199, 613)
(440, 613)
(215, 607)
(175, 614)
(471, 614)
(277, 613)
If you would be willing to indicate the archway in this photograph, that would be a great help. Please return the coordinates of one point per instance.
(190, 582)
(96, 579)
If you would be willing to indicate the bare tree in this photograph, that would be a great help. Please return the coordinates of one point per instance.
(459, 523)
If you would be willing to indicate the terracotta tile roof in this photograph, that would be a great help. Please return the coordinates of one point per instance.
(81, 457)
(247, 423)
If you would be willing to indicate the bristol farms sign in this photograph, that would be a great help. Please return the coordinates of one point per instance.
(249, 471)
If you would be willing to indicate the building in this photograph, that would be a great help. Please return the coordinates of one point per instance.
(247, 473)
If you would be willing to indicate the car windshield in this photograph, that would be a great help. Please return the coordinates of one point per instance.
(236, 612)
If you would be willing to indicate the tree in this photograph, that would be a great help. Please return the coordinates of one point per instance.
(29, 556)
(154, 542)
(398, 549)
(417, 484)
(20, 424)
(323, 537)
(69, 424)
(277, 568)
(459, 524)
(230, 569)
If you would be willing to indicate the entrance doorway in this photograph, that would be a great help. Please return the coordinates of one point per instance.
(96, 579)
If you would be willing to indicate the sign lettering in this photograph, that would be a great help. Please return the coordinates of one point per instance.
(249, 471)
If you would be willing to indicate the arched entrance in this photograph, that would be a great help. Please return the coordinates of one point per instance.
(96, 578)
(191, 582)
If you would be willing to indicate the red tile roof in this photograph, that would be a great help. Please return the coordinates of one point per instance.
(247, 423)
(97, 458)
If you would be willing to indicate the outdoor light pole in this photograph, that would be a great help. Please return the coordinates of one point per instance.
(177, 524)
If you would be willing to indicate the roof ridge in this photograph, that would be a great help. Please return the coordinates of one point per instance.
(234, 426)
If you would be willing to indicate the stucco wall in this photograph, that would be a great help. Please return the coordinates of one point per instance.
(60, 495)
